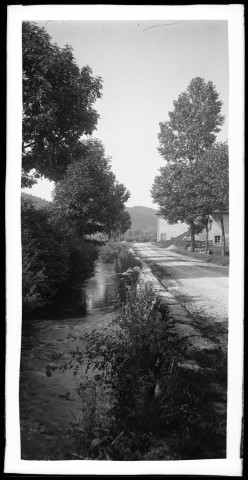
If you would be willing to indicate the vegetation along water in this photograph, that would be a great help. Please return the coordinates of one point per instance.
(99, 376)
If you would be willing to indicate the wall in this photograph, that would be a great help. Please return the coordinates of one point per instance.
(169, 231)
(215, 230)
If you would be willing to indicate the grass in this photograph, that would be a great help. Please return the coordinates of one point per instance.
(140, 401)
(143, 403)
(216, 258)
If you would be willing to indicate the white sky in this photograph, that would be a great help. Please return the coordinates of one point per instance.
(143, 71)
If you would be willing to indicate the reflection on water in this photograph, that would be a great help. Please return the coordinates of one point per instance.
(50, 408)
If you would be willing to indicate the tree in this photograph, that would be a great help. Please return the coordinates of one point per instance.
(190, 193)
(117, 220)
(57, 105)
(122, 224)
(177, 193)
(215, 181)
(89, 198)
(193, 123)
(125, 222)
(191, 131)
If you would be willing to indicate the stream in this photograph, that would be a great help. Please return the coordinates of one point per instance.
(50, 408)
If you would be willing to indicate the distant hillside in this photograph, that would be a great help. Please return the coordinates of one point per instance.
(143, 218)
(39, 202)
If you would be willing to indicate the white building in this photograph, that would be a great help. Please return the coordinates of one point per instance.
(214, 230)
(166, 231)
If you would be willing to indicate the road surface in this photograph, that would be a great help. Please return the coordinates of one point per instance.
(201, 287)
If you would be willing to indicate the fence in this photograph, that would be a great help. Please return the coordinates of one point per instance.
(198, 244)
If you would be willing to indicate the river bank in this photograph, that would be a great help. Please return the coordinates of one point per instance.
(137, 385)
(50, 407)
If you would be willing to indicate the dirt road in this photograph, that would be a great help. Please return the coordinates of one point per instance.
(201, 287)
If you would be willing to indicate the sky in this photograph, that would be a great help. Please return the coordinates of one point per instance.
(145, 65)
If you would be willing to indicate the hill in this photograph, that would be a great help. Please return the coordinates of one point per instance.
(38, 201)
(143, 218)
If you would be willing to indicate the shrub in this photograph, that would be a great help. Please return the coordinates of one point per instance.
(44, 257)
(129, 360)
(109, 252)
(146, 406)
(126, 260)
(53, 258)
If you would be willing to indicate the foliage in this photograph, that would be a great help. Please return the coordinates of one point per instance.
(121, 223)
(51, 260)
(57, 105)
(117, 220)
(127, 282)
(44, 255)
(215, 176)
(193, 123)
(110, 251)
(82, 255)
(215, 182)
(178, 192)
(139, 236)
(184, 188)
(126, 260)
(154, 409)
(89, 198)
(190, 193)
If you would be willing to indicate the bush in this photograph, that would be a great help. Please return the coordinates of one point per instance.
(129, 361)
(53, 258)
(109, 252)
(82, 255)
(145, 405)
(126, 260)
(44, 257)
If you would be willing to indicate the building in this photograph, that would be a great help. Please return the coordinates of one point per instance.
(214, 230)
(165, 231)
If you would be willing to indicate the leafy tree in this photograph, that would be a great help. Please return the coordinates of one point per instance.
(193, 123)
(117, 220)
(57, 105)
(214, 181)
(190, 193)
(89, 198)
(184, 140)
(177, 194)
(125, 222)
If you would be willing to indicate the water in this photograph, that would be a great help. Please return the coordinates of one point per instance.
(50, 408)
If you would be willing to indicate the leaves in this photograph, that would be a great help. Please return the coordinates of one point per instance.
(89, 198)
(194, 181)
(57, 104)
(51, 260)
(193, 123)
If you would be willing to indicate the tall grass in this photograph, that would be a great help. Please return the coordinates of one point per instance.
(140, 403)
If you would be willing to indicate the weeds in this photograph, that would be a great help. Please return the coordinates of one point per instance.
(138, 402)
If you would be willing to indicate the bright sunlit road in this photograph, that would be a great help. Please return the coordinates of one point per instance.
(201, 287)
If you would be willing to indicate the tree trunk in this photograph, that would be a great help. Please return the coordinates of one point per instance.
(192, 232)
(223, 240)
(206, 249)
